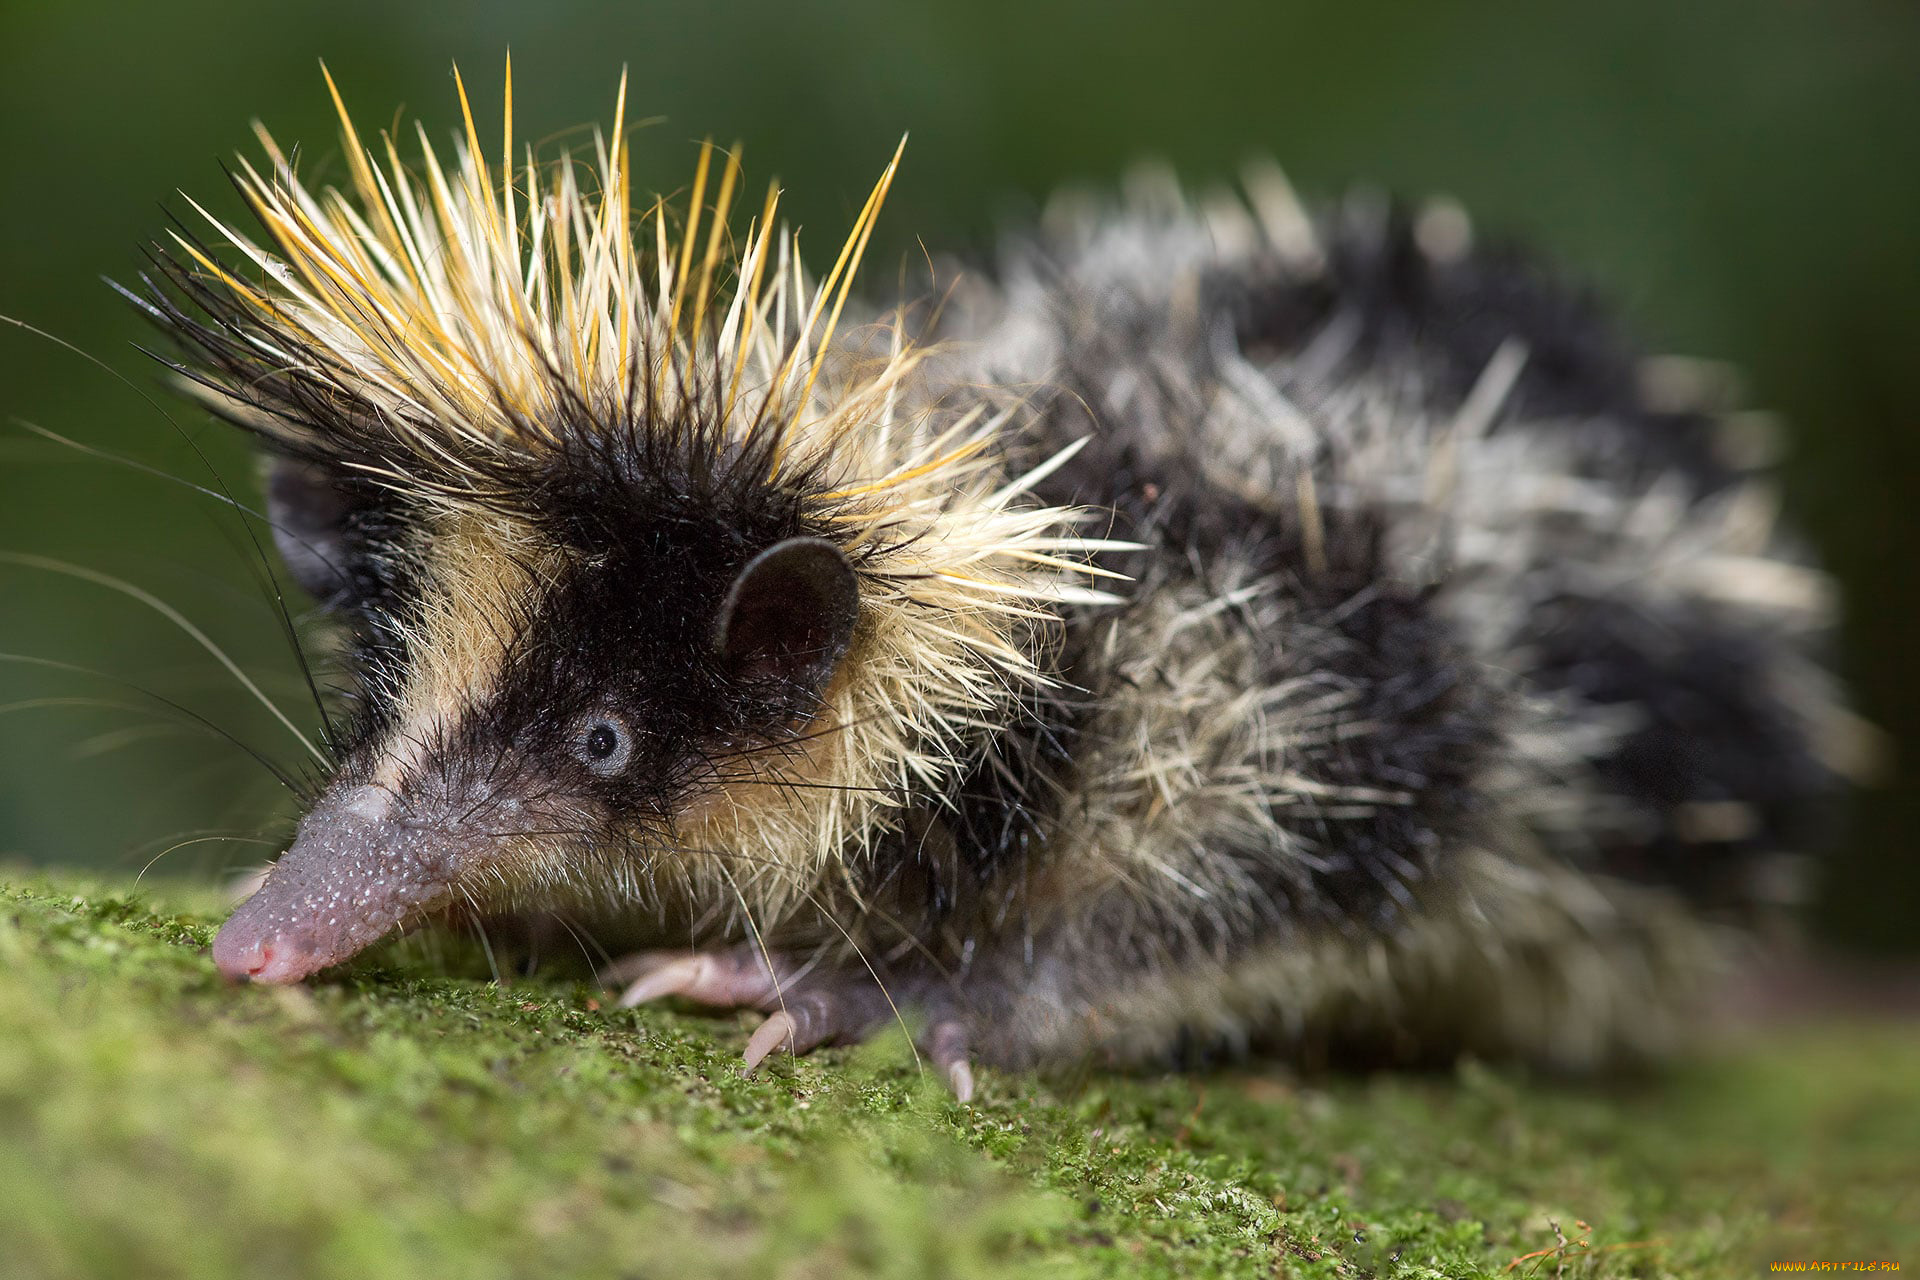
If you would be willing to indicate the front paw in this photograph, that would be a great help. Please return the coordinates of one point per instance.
(807, 1005)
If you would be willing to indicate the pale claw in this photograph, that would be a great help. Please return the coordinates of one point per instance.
(948, 1047)
(806, 1009)
(723, 979)
(670, 979)
(775, 1033)
(960, 1076)
(808, 1019)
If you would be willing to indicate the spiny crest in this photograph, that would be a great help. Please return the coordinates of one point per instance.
(436, 330)
(426, 321)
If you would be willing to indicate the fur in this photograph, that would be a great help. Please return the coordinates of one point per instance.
(1262, 629)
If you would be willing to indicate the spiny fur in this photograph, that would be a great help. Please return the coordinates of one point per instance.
(1365, 763)
(1442, 677)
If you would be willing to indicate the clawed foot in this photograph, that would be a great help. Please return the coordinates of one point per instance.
(739, 978)
(805, 1008)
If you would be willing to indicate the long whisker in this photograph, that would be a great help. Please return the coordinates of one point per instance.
(646, 850)
(47, 564)
(730, 855)
(479, 928)
(32, 704)
(916, 943)
(293, 785)
(778, 744)
(170, 420)
(581, 938)
(795, 784)
(198, 840)
(759, 942)
(887, 995)
(112, 740)
(246, 834)
(269, 586)
(158, 473)
(134, 464)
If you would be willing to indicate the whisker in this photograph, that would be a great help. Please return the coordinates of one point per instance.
(606, 957)
(479, 928)
(198, 840)
(146, 469)
(918, 1066)
(269, 587)
(112, 740)
(249, 834)
(759, 942)
(777, 744)
(797, 784)
(81, 573)
(160, 473)
(293, 785)
(205, 461)
(32, 704)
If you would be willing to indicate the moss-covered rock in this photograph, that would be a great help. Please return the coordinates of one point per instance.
(394, 1121)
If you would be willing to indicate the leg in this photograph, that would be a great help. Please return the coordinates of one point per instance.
(807, 1006)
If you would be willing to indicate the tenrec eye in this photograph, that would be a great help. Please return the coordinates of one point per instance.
(605, 745)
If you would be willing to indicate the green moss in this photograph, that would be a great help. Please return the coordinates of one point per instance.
(397, 1122)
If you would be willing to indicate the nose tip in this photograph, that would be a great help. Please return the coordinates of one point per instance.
(240, 959)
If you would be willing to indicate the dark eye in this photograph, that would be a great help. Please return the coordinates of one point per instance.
(604, 744)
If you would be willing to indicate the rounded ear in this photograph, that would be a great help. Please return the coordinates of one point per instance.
(309, 513)
(789, 614)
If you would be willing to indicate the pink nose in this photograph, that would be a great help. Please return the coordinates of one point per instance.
(353, 874)
(243, 955)
(240, 959)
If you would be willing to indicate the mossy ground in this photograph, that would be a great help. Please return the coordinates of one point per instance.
(394, 1121)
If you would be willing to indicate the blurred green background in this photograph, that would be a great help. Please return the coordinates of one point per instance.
(1742, 176)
